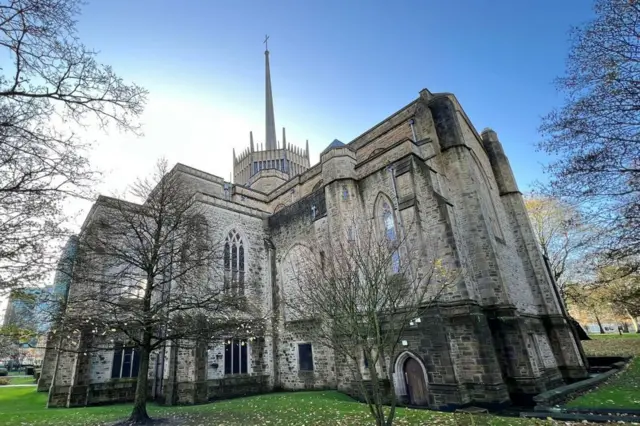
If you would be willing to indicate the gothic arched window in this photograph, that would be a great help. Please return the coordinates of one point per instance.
(234, 264)
(389, 226)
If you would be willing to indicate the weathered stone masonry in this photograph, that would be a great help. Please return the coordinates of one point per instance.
(498, 336)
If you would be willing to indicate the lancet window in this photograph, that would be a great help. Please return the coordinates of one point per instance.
(234, 264)
(389, 226)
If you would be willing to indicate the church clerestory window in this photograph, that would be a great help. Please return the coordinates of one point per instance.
(234, 267)
(390, 234)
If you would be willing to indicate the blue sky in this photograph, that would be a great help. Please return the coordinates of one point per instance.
(338, 68)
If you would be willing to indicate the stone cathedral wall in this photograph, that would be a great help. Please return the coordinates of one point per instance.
(496, 335)
(290, 227)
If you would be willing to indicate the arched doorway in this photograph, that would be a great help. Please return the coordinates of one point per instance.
(415, 382)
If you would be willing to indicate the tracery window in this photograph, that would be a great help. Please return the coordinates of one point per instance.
(234, 264)
(390, 233)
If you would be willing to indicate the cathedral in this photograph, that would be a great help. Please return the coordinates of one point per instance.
(499, 337)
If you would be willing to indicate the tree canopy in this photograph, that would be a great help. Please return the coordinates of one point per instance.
(594, 135)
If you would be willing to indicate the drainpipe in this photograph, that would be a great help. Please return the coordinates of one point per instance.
(174, 351)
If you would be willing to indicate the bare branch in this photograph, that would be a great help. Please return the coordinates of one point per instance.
(360, 294)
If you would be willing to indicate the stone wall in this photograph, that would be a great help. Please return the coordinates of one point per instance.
(497, 333)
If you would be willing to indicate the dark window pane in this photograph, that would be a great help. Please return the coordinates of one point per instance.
(117, 361)
(243, 357)
(366, 359)
(136, 363)
(227, 252)
(236, 356)
(227, 358)
(305, 357)
(126, 362)
(241, 266)
(234, 257)
(241, 284)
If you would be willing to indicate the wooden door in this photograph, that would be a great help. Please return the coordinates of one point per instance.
(416, 384)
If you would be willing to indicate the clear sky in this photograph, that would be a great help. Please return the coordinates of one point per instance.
(338, 68)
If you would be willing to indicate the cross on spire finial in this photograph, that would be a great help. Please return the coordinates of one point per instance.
(266, 45)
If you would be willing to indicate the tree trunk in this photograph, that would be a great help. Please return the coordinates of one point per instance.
(633, 321)
(139, 412)
(599, 324)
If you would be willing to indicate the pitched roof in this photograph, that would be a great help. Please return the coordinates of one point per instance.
(335, 144)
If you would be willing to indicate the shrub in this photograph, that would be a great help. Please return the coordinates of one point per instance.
(4, 381)
(4, 372)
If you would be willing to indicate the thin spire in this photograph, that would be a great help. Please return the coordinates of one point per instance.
(251, 141)
(270, 119)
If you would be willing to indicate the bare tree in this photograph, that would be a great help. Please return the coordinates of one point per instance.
(50, 83)
(149, 272)
(8, 347)
(595, 133)
(623, 291)
(361, 292)
(10, 339)
(564, 237)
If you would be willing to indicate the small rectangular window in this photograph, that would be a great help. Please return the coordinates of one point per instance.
(305, 357)
(365, 358)
(235, 357)
(117, 361)
(126, 362)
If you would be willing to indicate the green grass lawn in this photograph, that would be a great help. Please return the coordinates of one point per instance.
(622, 390)
(29, 380)
(615, 335)
(23, 406)
(613, 344)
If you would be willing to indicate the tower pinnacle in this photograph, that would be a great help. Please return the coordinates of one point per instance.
(270, 124)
